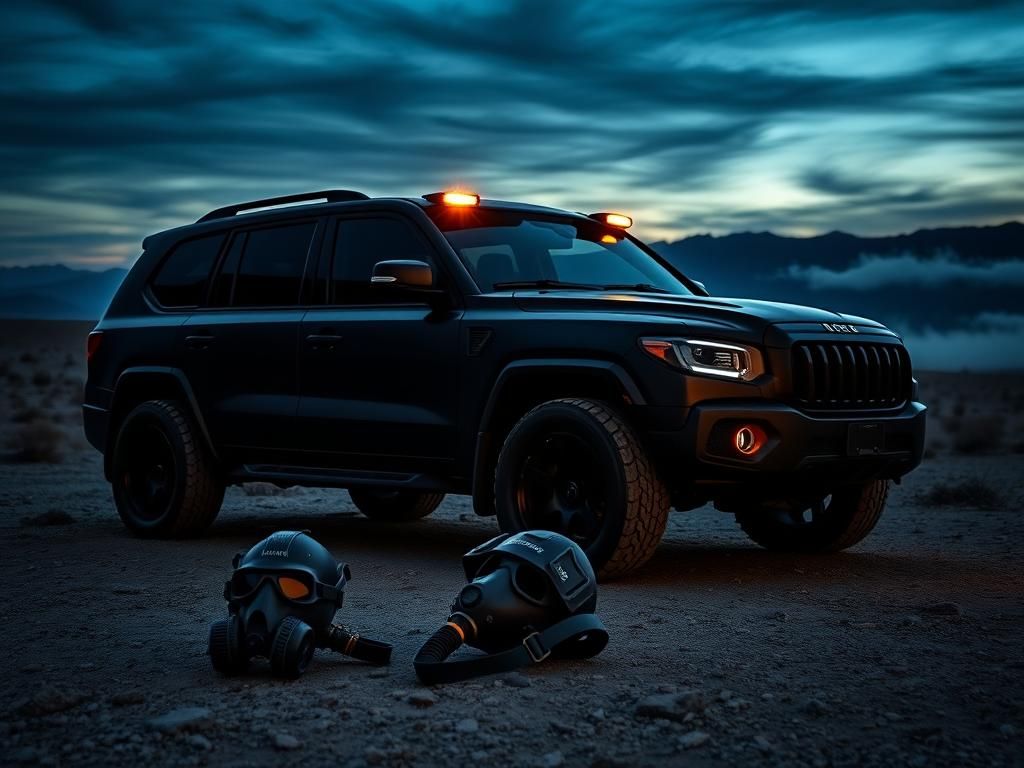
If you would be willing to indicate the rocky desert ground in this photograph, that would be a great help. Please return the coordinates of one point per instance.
(907, 650)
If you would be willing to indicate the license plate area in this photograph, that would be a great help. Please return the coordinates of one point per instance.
(865, 439)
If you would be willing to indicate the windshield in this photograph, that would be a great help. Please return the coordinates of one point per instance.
(517, 249)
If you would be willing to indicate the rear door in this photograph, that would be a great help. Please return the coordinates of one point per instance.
(241, 348)
(377, 366)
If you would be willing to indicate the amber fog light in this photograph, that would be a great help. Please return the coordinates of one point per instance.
(748, 439)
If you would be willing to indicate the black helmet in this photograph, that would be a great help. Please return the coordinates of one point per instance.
(530, 595)
(282, 598)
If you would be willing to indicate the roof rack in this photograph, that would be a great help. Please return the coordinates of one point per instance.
(330, 195)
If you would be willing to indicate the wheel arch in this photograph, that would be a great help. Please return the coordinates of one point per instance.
(142, 383)
(524, 384)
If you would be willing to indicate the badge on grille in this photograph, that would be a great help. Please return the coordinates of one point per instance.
(840, 328)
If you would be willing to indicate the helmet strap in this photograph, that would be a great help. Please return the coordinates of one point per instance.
(432, 667)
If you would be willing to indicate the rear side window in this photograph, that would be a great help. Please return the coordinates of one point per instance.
(360, 244)
(182, 279)
(267, 267)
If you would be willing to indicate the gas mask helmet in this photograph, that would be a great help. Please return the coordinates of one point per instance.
(530, 595)
(282, 598)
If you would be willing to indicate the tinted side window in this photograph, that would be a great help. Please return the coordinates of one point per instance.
(182, 278)
(270, 272)
(360, 244)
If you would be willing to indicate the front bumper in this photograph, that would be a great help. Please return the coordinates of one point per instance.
(846, 448)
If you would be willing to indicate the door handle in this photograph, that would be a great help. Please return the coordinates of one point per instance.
(199, 342)
(322, 340)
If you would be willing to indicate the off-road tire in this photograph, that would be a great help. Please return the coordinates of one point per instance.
(197, 487)
(398, 506)
(638, 504)
(850, 516)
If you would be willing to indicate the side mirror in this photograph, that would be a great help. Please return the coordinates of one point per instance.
(403, 273)
(701, 285)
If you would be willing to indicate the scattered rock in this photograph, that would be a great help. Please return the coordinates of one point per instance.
(814, 708)
(516, 680)
(53, 517)
(199, 741)
(1008, 731)
(423, 698)
(183, 719)
(49, 701)
(943, 609)
(598, 714)
(694, 739)
(285, 741)
(912, 621)
(469, 725)
(374, 756)
(127, 589)
(552, 760)
(671, 706)
(778, 616)
(127, 698)
(379, 673)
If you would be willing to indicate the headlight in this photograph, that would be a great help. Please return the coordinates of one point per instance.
(708, 358)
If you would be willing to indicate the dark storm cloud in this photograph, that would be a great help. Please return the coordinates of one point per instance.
(120, 118)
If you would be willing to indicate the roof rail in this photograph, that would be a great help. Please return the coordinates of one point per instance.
(330, 195)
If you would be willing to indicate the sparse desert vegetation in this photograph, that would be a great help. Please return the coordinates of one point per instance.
(971, 493)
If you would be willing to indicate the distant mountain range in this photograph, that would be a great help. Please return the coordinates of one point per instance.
(57, 292)
(932, 279)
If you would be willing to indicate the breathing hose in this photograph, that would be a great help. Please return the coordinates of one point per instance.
(341, 639)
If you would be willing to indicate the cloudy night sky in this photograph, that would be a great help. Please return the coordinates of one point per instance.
(120, 119)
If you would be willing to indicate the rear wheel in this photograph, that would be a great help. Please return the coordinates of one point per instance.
(831, 524)
(394, 505)
(164, 480)
(576, 467)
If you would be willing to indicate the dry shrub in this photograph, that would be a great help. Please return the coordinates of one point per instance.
(69, 360)
(42, 379)
(40, 441)
(5, 368)
(15, 379)
(971, 493)
(1017, 447)
(983, 434)
(28, 358)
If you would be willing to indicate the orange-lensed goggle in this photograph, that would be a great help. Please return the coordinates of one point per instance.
(297, 586)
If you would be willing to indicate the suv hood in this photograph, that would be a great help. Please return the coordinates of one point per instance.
(746, 316)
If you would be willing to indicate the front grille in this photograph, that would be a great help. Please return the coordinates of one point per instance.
(855, 376)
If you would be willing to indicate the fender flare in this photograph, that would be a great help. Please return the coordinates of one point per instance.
(607, 369)
(182, 382)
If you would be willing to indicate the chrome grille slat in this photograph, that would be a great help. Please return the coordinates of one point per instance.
(850, 375)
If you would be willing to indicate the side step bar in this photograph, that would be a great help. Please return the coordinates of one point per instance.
(323, 477)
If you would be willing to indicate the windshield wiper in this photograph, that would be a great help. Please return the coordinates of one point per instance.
(546, 284)
(636, 287)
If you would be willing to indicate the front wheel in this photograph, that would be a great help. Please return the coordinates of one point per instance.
(577, 468)
(831, 524)
(394, 506)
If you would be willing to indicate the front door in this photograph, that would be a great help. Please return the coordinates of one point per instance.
(377, 366)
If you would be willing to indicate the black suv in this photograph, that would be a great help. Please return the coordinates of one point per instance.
(546, 362)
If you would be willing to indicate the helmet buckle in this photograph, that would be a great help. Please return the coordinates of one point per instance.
(533, 645)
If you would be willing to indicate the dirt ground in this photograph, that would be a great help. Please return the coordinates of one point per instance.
(906, 650)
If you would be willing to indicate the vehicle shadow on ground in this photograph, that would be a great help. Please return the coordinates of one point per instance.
(683, 563)
(427, 538)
